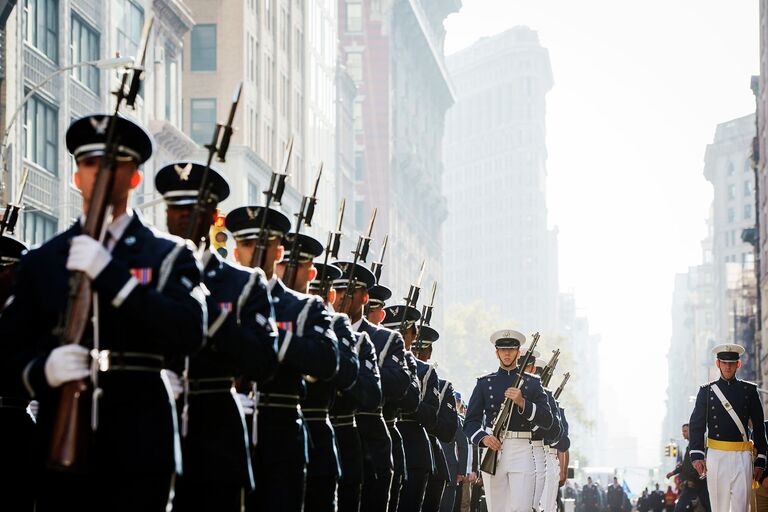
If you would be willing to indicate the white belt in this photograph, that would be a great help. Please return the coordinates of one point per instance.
(539, 442)
(509, 434)
(553, 451)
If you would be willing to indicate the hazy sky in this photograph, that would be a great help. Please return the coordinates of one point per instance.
(639, 89)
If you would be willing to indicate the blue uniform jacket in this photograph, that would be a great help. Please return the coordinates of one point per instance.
(552, 434)
(390, 351)
(136, 414)
(710, 416)
(487, 399)
(445, 427)
(242, 339)
(418, 451)
(563, 443)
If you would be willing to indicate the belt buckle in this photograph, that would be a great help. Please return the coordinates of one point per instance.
(102, 359)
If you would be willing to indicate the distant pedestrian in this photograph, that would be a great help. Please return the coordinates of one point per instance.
(670, 497)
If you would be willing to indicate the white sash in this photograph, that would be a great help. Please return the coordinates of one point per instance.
(729, 409)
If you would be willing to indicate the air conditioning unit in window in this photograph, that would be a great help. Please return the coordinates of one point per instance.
(159, 55)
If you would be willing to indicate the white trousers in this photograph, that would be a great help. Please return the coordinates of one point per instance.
(511, 488)
(729, 480)
(540, 464)
(551, 481)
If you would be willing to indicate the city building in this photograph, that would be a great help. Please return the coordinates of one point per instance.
(47, 85)
(394, 53)
(728, 167)
(761, 175)
(693, 336)
(495, 149)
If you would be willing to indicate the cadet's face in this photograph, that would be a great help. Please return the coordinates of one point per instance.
(408, 336)
(352, 306)
(728, 368)
(425, 354)
(685, 432)
(375, 316)
(507, 356)
(127, 177)
(305, 273)
(246, 248)
(178, 219)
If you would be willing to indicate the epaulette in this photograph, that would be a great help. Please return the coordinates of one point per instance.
(485, 375)
(750, 383)
(708, 384)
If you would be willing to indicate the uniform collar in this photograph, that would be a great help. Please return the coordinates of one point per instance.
(502, 371)
(118, 226)
(727, 382)
(356, 326)
(272, 282)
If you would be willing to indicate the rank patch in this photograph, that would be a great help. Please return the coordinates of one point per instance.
(142, 275)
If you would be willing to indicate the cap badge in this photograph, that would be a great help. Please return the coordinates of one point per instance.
(396, 311)
(183, 172)
(251, 213)
(100, 126)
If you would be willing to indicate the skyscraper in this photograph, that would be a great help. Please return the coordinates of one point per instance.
(728, 167)
(497, 246)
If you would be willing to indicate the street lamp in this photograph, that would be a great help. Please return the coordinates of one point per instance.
(111, 63)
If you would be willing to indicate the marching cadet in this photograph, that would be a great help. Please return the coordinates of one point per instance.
(444, 429)
(724, 409)
(378, 295)
(418, 410)
(395, 381)
(242, 339)
(512, 487)
(324, 467)
(537, 439)
(307, 346)
(408, 404)
(17, 441)
(549, 463)
(149, 308)
(364, 392)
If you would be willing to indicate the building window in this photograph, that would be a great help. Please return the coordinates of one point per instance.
(285, 30)
(299, 45)
(748, 188)
(730, 169)
(41, 26)
(285, 95)
(354, 17)
(355, 66)
(251, 58)
(731, 191)
(129, 23)
(731, 215)
(85, 47)
(204, 47)
(747, 211)
(357, 114)
(268, 78)
(38, 228)
(170, 86)
(748, 165)
(359, 166)
(41, 134)
(359, 215)
(203, 115)
(268, 13)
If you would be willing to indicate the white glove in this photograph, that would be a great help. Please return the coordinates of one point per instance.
(175, 382)
(32, 409)
(67, 363)
(87, 255)
(246, 403)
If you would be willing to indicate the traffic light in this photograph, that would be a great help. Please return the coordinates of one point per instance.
(219, 236)
(674, 450)
(667, 451)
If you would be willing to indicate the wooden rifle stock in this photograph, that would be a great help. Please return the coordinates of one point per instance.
(490, 460)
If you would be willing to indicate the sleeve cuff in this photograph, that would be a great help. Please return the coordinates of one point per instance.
(478, 435)
(529, 410)
(697, 455)
(760, 461)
